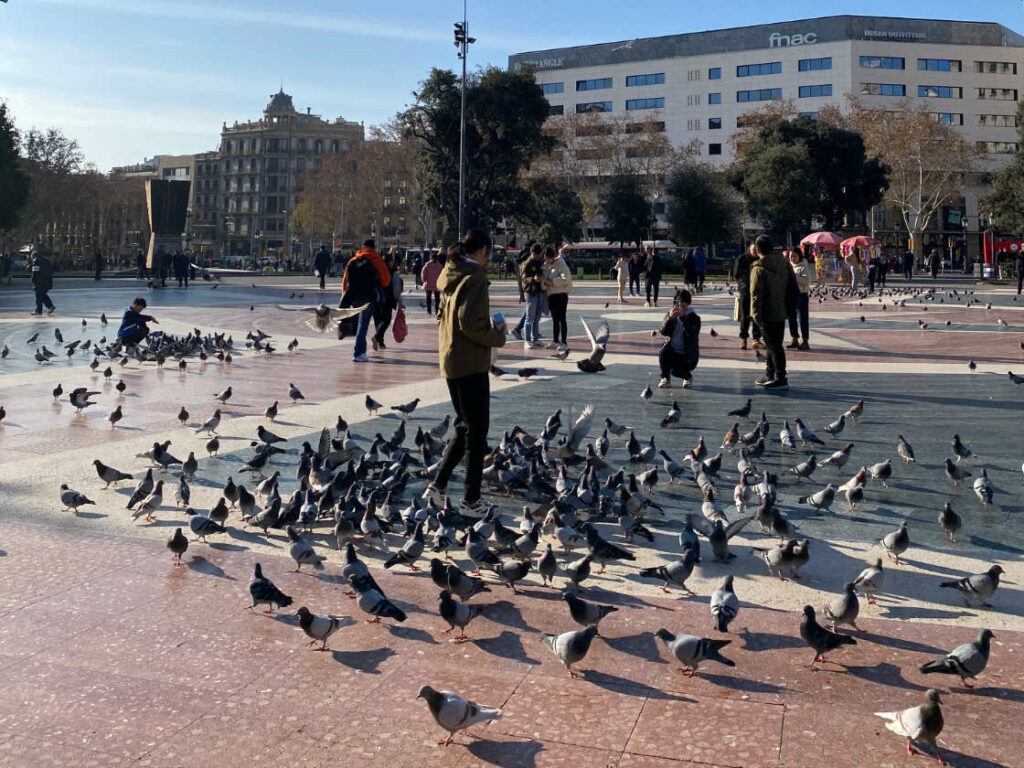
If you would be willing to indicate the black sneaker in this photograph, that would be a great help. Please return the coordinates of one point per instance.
(764, 381)
(518, 334)
(777, 384)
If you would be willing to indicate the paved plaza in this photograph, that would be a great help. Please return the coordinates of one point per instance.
(110, 656)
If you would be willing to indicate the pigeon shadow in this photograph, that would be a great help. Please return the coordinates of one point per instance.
(507, 614)
(898, 642)
(996, 545)
(363, 661)
(507, 754)
(617, 684)
(90, 515)
(919, 612)
(1008, 694)
(225, 547)
(768, 641)
(884, 673)
(200, 564)
(507, 645)
(641, 645)
(252, 538)
(743, 684)
(961, 760)
(411, 633)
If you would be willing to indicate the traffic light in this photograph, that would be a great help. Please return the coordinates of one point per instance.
(461, 34)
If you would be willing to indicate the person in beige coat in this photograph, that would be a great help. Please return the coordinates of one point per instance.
(558, 285)
(802, 271)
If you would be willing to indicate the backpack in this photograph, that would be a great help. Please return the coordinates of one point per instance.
(362, 279)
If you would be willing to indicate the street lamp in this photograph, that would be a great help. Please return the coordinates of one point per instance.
(462, 42)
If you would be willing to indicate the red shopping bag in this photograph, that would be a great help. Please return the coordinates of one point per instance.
(399, 329)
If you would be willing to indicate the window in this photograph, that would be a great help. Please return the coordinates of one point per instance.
(751, 70)
(401, 222)
(813, 65)
(552, 87)
(811, 91)
(883, 62)
(939, 92)
(997, 121)
(714, 123)
(762, 94)
(319, 148)
(300, 165)
(714, 98)
(939, 65)
(596, 129)
(594, 106)
(654, 103)
(999, 147)
(648, 126)
(809, 115)
(596, 84)
(693, 124)
(714, 149)
(387, 202)
(948, 118)
(693, 74)
(883, 89)
(715, 73)
(693, 100)
(995, 67)
(272, 165)
(998, 94)
(334, 146)
(401, 199)
(655, 79)
(302, 146)
(555, 109)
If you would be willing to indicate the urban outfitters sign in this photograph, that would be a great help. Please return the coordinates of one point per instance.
(781, 41)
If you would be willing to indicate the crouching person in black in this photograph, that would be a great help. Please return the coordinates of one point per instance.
(681, 352)
(133, 325)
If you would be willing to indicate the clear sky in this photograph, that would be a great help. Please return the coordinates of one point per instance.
(134, 78)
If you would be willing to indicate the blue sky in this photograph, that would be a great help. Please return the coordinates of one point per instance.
(134, 78)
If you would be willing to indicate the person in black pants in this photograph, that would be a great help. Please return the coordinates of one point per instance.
(467, 334)
(322, 265)
(652, 281)
(681, 352)
(908, 265)
(741, 274)
(636, 267)
(557, 284)
(770, 278)
(1020, 270)
(97, 265)
(42, 282)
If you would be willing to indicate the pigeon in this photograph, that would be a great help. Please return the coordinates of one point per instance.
(456, 614)
(406, 409)
(598, 347)
(805, 468)
(294, 393)
(267, 437)
(743, 412)
(72, 499)
(547, 566)
(577, 571)
(672, 417)
(224, 396)
(785, 558)
(896, 542)
(511, 571)
(202, 526)
(183, 416)
(675, 573)
(840, 457)
(819, 638)
(646, 394)
(372, 405)
(822, 500)
(526, 373)
(690, 650)
(949, 521)
(371, 600)
(978, 587)
(967, 660)
(324, 318)
(603, 551)
(586, 614)
(302, 552)
(263, 592)
(983, 488)
(804, 435)
(454, 713)
(58, 391)
(178, 544)
(724, 605)
(922, 723)
(452, 578)
(955, 473)
(318, 628)
(571, 647)
(905, 451)
(210, 425)
(79, 398)
(108, 474)
(836, 427)
(881, 471)
(960, 451)
(410, 551)
(844, 609)
(720, 534)
(871, 580)
(142, 490)
(151, 503)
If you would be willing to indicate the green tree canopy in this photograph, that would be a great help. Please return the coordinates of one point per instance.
(504, 115)
(1006, 200)
(778, 182)
(13, 180)
(702, 208)
(627, 213)
(553, 211)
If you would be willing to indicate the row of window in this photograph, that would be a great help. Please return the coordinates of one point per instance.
(301, 146)
(999, 147)
(937, 91)
(601, 83)
(946, 118)
(752, 70)
(606, 106)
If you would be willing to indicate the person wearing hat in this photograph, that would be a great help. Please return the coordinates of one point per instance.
(42, 282)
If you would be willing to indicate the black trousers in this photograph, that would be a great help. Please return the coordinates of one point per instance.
(436, 295)
(746, 321)
(700, 280)
(673, 363)
(136, 336)
(471, 399)
(652, 287)
(1020, 280)
(634, 280)
(558, 305)
(382, 320)
(774, 334)
(323, 280)
(800, 311)
(41, 299)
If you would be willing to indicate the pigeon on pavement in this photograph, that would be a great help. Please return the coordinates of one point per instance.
(263, 592)
(724, 605)
(819, 638)
(571, 647)
(691, 650)
(967, 660)
(319, 628)
(844, 609)
(978, 587)
(72, 499)
(454, 713)
(922, 723)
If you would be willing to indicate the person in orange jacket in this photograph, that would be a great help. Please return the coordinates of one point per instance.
(365, 276)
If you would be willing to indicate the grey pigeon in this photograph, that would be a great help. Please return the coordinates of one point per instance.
(571, 647)
(690, 650)
(819, 638)
(964, 661)
(210, 425)
(786, 558)
(721, 534)
(318, 628)
(904, 449)
(822, 500)
(949, 521)
(202, 526)
(302, 552)
(177, 544)
(547, 566)
(724, 605)
(675, 573)
(978, 587)
(263, 592)
(955, 473)
(871, 580)
(410, 551)
(72, 499)
(294, 393)
(511, 571)
(983, 488)
(452, 578)
(371, 600)
(577, 571)
(844, 609)
(923, 723)
(142, 490)
(896, 542)
(456, 614)
(584, 613)
(960, 451)
(454, 713)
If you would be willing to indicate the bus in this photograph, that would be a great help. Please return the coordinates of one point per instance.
(599, 256)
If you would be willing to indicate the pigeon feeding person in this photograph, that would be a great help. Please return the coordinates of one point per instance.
(680, 354)
(133, 324)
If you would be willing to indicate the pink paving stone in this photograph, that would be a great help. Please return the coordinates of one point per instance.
(630, 760)
(24, 752)
(513, 752)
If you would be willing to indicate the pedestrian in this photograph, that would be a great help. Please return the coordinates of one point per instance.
(700, 260)
(883, 267)
(853, 262)
(6, 267)
(510, 266)
(140, 264)
(770, 279)
(1019, 264)
(908, 265)
(558, 286)
(872, 272)
(180, 263)
(164, 270)
(741, 274)
(531, 277)
(652, 276)
(801, 307)
(392, 301)
(636, 268)
(133, 325)
(322, 265)
(624, 269)
(365, 277)
(680, 354)
(467, 334)
(97, 264)
(428, 278)
(689, 270)
(934, 261)
(42, 282)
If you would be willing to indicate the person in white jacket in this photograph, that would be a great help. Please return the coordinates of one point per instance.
(802, 269)
(558, 285)
(622, 276)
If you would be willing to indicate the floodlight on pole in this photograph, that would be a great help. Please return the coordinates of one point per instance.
(462, 42)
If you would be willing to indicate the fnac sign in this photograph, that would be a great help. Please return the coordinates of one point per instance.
(777, 40)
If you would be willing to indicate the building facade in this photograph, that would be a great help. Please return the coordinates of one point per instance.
(968, 74)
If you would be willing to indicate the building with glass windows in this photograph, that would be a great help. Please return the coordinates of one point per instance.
(698, 85)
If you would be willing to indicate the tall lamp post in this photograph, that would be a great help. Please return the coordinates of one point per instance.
(462, 41)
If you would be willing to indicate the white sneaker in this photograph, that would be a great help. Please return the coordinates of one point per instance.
(360, 359)
(647, 303)
(562, 347)
(667, 384)
(528, 345)
(432, 493)
(687, 383)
